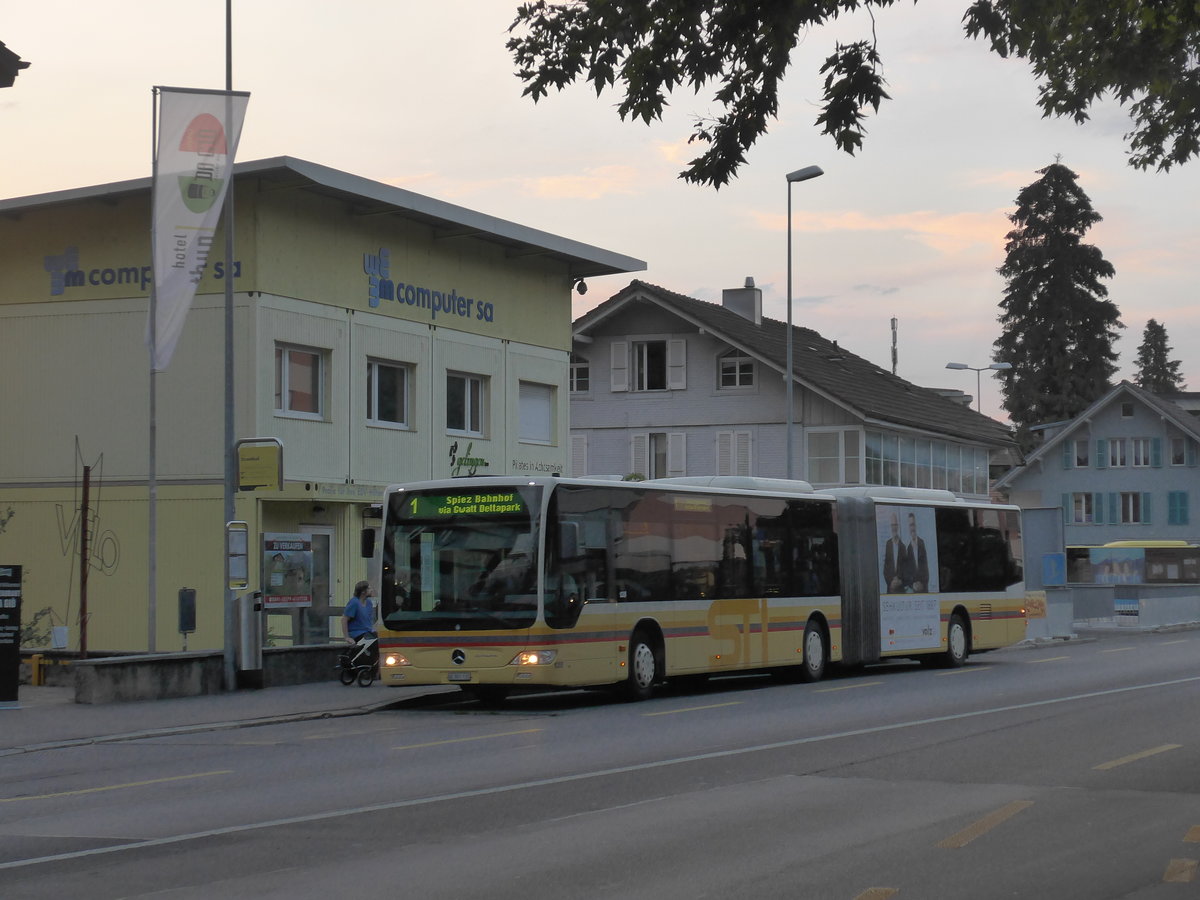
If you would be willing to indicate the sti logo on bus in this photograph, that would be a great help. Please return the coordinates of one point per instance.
(458, 657)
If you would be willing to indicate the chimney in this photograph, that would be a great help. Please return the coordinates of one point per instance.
(745, 301)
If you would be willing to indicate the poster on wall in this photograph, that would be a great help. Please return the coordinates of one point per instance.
(287, 571)
(910, 614)
(10, 635)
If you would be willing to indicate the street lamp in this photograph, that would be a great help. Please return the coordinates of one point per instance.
(799, 175)
(999, 367)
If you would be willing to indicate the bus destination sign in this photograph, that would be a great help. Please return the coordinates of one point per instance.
(466, 503)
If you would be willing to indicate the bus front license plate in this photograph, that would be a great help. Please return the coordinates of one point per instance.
(458, 676)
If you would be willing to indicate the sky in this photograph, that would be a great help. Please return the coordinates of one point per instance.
(423, 95)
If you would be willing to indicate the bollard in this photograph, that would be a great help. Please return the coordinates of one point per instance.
(35, 670)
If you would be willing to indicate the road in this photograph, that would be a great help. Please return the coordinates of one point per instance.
(1067, 771)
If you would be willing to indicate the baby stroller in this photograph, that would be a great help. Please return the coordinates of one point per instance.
(360, 662)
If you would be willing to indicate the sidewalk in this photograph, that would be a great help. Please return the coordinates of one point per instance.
(49, 717)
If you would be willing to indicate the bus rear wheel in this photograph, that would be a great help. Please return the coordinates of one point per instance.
(643, 669)
(958, 647)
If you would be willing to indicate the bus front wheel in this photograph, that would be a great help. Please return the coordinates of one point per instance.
(643, 669)
(813, 667)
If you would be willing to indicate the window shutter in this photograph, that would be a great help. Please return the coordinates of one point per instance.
(619, 366)
(1183, 507)
(742, 453)
(1191, 452)
(1156, 452)
(1101, 453)
(1068, 455)
(1114, 509)
(1068, 508)
(639, 459)
(676, 365)
(724, 452)
(1098, 508)
(579, 455)
(676, 454)
(1146, 511)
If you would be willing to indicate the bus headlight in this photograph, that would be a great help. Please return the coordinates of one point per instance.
(534, 658)
(395, 659)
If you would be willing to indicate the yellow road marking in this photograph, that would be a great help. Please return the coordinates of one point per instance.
(1181, 641)
(1034, 662)
(876, 894)
(116, 787)
(671, 712)
(1193, 835)
(965, 670)
(1116, 650)
(848, 687)
(1180, 871)
(984, 825)
(1134, 757)
(481, 737)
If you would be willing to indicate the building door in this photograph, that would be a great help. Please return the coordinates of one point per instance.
(321, 621)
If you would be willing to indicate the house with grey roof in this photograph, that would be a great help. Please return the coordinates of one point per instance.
(1123, 470)
(663, 384)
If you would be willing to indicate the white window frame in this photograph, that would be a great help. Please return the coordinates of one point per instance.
(1117, 453)
(1131, 508)
(1140, 450)
(740, 366)
(644, 366)
(580, 373)
(1083, 510)
(1178, 451)
(474, 400)
(1083, 453)
(283, 354)
(734, 453)
(404, 400)
(535, 413)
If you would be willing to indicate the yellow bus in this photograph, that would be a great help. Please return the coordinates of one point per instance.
(506, 583)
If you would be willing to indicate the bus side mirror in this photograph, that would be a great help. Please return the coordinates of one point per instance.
(368, 543)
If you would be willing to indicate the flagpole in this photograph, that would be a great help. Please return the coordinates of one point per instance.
(227, 213)
(151, 607)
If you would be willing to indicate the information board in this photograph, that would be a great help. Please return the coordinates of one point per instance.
(10, 634)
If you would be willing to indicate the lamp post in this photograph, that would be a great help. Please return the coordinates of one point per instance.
(999, 367)
(799, 175)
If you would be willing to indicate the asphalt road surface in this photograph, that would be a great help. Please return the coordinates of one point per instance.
(1070, 770)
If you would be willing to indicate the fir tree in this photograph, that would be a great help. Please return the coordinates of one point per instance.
(1156, 371)
(1058, 327)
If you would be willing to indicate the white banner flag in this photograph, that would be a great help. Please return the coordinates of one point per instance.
(197, 139)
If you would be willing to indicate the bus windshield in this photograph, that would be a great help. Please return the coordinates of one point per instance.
(460, 560)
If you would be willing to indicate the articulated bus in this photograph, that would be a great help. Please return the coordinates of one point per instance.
(506, 583)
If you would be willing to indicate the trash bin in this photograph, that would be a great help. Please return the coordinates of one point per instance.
(250, 640)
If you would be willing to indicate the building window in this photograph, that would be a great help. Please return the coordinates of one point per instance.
(535, 404)
(581, 375)
(299, 378)
(464, 404)
(387, 393)
(737, 370)
(650, 366)
(824, 457)
(1178, 451)
(1139, 451)
(1082, 453)
(1133, 510)
(1126, 410)
(1082, 511)
(1116, 454)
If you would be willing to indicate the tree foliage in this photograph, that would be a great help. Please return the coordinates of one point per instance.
(1156, 371)
(1143, 54)
(1057, 327)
